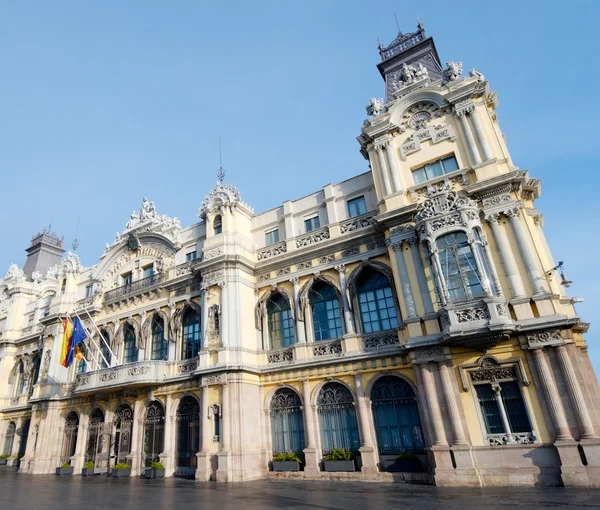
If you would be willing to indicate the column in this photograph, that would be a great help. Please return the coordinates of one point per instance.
(498, 395)
(383, 170)
(469, 139)
(204, 305)
(203, 466)
(526, 252)
(421, 279)
(404, 279)
(586, 428)
(168, 455)
(299, 323)
(224, 315)
(348, 317)
(481, 138)
(82, 435)
(367, 450)
(439, 276)
(226, 419)
(455, 421)
(486, 285)
(490, 260)
(392, 159)
(563, 433)
(310, 452)
(439, 436)
(506, 257)
(135, 437)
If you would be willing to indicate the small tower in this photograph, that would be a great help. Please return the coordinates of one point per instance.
(45, 251)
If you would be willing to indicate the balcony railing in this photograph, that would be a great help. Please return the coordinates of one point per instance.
(133, 287)
(141, 372)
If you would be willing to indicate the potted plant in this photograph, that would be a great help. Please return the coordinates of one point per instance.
(88, 469)
(339, 460)
(4, 459)
(121, 470)
(406, 462)
(157, 470)
(65, 469)
(286, 462)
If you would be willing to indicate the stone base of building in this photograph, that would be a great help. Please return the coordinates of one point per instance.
(580, 463)
(358, 476)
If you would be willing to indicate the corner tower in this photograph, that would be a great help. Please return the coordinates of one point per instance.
(46, 250)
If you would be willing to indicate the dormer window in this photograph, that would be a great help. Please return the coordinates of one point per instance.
(63, 286)
(218, 224)
(435, 169)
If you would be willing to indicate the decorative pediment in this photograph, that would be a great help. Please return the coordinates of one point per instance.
(222, 195)
(442, 200)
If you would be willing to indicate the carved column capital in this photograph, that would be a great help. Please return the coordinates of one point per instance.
(513, 212)
(492, 218)
(340, 268)
(394, 244)
(295, 280)
(412, 241)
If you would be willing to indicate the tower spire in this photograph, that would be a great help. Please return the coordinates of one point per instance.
(221, 171)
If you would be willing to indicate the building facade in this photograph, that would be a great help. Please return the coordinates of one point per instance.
(412, 312)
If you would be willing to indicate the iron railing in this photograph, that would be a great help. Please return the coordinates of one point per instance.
(133, 287)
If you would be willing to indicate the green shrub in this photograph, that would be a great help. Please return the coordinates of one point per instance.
(121, 465)
(287, 457)
(339, 454)
(157, 465)
(65, 465)
(407, 456)
(88, 465)
(5, 456)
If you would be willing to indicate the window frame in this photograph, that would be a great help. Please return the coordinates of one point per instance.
(286, 326)
(309, 223)
(424, 166)
(218, 225)
(89, 290)
(186, 340)
(353, 201)
(191, 255)
(269, 232)
(338, 320)
(357, 295)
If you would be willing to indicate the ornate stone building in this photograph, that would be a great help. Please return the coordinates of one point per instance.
(412, 315)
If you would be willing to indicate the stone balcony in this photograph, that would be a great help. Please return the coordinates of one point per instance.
(144, 287)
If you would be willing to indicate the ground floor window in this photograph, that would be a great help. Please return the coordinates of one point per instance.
(287, 421)
(70, 437)
(154, 432)
(188, 435)
(337, 417)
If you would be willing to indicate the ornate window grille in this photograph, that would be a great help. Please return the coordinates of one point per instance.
(191, 335)
(376, 302)
(396, 416)
(326, 318)
(160, 347)
(154, 432)
(188, 435)
(9, 438)
(123, 422)
(70, 437)
(130, 351)
(287, 423)
(281, 322)
(24, 436)
(337, 417)
(98, 441)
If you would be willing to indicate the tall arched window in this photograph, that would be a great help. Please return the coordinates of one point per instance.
(191, 334)
(376, 301)
(20, 380)
(154, 432)
(396, 416)
(160, 348)
(80, 365)
(459, 267)
(188, 435)
(95, 450)
(325, 306)
(35, 373)
(105, 349)
(287, 423)
(9, 438)
(24, 436)
(130, 351)
(123, 421)
(281, 323)
(70, 437)
(218, 224)
(337, 417)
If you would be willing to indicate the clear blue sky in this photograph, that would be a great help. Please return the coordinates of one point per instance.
(102, 103)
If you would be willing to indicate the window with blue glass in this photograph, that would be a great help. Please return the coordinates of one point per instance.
(160, 346)
(81, 365)
(130, 351)
(281, 322)
(357, 206)
(148, 271)
(325, 306)
(435, 169)
(287, 423)
(192, 335)
(21, 380)
(337, 418)
(511, 400)
(312, 224)
(192, 255)
(89, 290)
(105, 360)
(218, 224)
(272, 237)
(376, 301)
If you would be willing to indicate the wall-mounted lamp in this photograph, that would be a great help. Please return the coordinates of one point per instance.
(564, 281)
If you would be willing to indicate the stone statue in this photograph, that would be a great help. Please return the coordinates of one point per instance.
(474, 73)
(134, 219)
(375, 107)
(36, 276)
(14, 273)
(408, 75)
(452, 71)
(148, 210)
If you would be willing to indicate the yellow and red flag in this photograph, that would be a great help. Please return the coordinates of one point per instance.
(66, 345)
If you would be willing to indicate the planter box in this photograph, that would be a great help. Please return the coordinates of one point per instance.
(287, 465)
(100, 470)
(87, 472)
(402, 466)
(120, 473)
(64, 470)
(339, 466)
(154, 473)
(3, 462)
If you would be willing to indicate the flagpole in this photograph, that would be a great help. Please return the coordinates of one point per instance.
(92, 339)
(114, 357)
(67, 316)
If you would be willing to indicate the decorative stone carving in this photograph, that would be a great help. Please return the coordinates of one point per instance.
(334, 347)
(140, 370)
(213, 253)
(435, 133)
(429, 353)
(356, 223)
(46, 364)
(326, 259)
(187, 366)
(14, 274)
(407, 75)
(108, 376)
(36, 276)
(545, 337)
(316, 236)
(452, 71)
(271, 251)
(283, 271)
(304, 265)
(222, 195)
(514, 438)
(214, 316)
(375, 107)
(418, 115)
(263, 277)
(472, 314)
(350, 252)
(374, 245)
(501, 310)
(281, 356)
(147, 213)
(497, 200)
(210, 380)
(474, 73)
(380, 340)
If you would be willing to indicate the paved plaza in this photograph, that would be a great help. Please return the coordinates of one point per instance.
(20, 491)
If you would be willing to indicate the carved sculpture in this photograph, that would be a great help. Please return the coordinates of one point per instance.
(452, 71)
(375, 107)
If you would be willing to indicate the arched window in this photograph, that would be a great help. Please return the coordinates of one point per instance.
(35, 373)
(188, 435)
(70, 437)
(80, 365)
(337, 417)
(218, 224)
(191, 334)
(105, 349)
(96, 450)
(160, 348)
(376, 301)
(130, 351)
(325, 306)
(154, 432)
(9, 438)
(281, 323)
(459, 267)
(123, 421)
(24, 436)
(396, 417)
(287, 423)
(20, 380)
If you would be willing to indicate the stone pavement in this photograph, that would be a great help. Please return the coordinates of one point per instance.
(20, 491)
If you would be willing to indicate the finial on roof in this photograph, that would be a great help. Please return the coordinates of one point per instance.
(419, 24)
(397, 24)
(221, 171)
